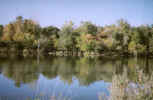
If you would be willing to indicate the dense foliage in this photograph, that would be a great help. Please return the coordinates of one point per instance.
(88, 37)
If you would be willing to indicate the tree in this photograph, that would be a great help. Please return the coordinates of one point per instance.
(145, 36)
(18, 29)
(86, 44)
(122, 34)
(18, 24)
(67, 37)
(51, 31)
(141, 39)
(1, 30)
(9, 31)
(106, 39)
(88, 28)
(31, 27)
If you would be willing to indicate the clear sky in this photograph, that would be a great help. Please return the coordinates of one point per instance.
(56, 12)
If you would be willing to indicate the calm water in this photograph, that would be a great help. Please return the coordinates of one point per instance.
(62, 78)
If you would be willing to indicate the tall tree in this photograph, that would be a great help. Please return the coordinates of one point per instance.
(145, 36)
(67, 36)
(31, 27)
(88, 28)
(122, 34)
(1, 30)
(9, 31)
(18, 24)
(51, 31)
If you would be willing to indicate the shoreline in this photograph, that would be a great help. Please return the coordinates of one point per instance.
(35, 52)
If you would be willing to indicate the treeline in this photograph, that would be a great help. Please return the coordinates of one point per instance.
(27, 35)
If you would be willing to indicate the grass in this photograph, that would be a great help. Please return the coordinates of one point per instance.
(124, 89)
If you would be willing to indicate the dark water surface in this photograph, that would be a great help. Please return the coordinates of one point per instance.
(63, 78)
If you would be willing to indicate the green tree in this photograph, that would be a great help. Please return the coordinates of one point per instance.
(88, 28)
(86, 44)
(67, 37)
(51, 31)
(31, 27)
(141, 39)
(106, 38)
(122, 34)
(1, 30)
(145, 36)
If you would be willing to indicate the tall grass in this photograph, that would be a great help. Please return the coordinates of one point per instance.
(124, 89)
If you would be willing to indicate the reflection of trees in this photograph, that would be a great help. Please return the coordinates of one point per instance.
(91, 70)
(20, 71)
(148, 66)
(131, 65)
(66, 69)
(86, 70)
(48, 68)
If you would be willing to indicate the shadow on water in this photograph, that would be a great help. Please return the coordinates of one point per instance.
(70, 77)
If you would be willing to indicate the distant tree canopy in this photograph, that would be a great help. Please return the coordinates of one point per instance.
(50, 31)
(67, 37)
(120, 37)
(88, 28)
(21, 29)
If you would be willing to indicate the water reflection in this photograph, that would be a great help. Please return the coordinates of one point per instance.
(85, 70)
(78, 78)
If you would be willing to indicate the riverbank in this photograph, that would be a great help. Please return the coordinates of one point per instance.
(29, 49)
(27, 52)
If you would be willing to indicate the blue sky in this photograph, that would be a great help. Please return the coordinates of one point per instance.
(56, 12)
